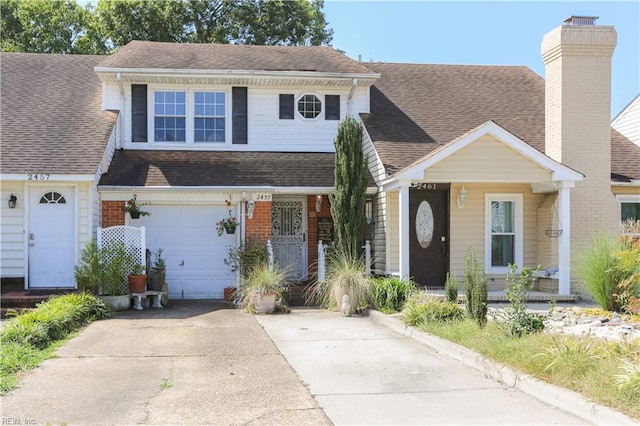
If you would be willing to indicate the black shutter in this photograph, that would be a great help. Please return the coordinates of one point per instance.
(286, 107)
(332, 107)
(139, 112)
(239, 115)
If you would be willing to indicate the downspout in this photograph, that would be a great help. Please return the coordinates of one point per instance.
(354, 83)
(121, 115)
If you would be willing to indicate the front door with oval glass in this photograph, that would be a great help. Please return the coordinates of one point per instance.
(429, 236)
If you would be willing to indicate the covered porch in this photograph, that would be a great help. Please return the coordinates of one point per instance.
(486, 190)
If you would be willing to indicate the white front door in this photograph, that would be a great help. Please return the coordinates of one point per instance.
(193, 250)
(288, 236)
(52, 237)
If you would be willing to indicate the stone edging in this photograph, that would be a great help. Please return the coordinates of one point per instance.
(564, 399)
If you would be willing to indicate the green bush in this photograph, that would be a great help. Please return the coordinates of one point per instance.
(451, 288)
(421, 308)
(475, 288)
(247, 256)
(610, 271)
(514, 320)
(389, 295)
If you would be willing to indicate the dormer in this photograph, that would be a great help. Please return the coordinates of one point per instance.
(232, 97)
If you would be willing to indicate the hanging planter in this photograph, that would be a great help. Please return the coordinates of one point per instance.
(133, 208)
(551, 231)
(227, 225)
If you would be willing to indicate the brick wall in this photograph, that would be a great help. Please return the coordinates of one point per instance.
(259, 228)
(112, 213)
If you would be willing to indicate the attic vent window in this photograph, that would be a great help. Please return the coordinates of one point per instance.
(581, 20)
(309, 106)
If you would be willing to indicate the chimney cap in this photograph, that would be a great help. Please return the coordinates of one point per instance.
(581, 20)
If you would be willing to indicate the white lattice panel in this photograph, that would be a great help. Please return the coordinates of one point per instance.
(133, 239)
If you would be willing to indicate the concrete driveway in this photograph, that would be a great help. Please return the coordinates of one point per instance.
(197, 362)
(362, 373)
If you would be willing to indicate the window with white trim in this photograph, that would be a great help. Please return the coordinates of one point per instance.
(170, 116)
(629, 211)
(189, 116)
(309, 106)
(209, 116)
(503, 232)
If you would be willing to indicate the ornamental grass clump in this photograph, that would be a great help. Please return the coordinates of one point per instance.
(263, 279)
(610, 269)
(422, 308)
(346, 275)
(389, 294)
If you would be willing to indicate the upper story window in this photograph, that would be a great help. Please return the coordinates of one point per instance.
(170, 116)
(309, 106)
(189, 116)
(504, 231)
(209, 116)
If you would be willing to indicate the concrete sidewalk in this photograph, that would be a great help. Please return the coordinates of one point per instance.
(363, 373)
(197, 362)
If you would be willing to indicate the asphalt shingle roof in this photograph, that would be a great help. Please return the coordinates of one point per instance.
(220, 168)
(181, 56)
(415, 108)
(52, 118)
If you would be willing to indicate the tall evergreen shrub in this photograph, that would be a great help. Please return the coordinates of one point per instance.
(348, 198)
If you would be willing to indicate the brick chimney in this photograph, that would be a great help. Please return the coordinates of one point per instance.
(577, 57)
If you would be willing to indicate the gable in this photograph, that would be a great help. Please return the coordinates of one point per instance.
(487, 160)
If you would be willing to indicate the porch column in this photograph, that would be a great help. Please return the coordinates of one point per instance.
(403, 229)
(564, 242)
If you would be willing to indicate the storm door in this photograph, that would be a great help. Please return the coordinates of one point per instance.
(288, 236)
(429, 234)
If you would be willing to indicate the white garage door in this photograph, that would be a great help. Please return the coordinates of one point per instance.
(193, 251)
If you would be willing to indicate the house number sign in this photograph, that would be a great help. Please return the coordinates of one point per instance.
(262, 197)
(423, 185)
(38, 176)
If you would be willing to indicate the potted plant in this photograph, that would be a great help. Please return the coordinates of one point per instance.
(134, 209)
(113, 288)
(263, 287)
(137, 279)
(227, 224)
(158, 271)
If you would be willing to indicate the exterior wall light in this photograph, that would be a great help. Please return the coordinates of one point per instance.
(368, 210)
(318, 203)
(12, 201)
(251, 206)
(462, 197)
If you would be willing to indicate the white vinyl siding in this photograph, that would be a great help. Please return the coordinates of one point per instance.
(12, 242)
(266, 131)
(628, 121)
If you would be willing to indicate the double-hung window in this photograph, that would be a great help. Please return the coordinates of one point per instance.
(190, 116)
(170, 116)
(629, 213)
(504, 232)
(209, 116)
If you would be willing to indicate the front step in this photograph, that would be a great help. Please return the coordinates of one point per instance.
(27, 299)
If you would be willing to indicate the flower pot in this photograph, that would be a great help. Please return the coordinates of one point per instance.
(135, 215)
(229, 294)
(137, 283)
(230, 230)
(264, 303)
(155, 280)
(117, 303)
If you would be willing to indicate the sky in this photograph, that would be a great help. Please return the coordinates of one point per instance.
(480, 33)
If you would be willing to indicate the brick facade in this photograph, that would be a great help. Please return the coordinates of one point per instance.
(259, 227)
(112, 213)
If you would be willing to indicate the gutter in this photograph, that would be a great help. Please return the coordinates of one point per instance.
(122, 112)
(321, 190)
